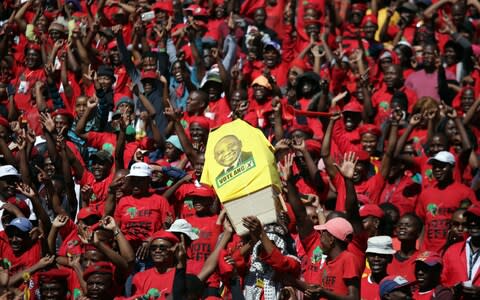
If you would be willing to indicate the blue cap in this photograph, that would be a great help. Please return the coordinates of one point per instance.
(175, 141)
(23, 224)
(392, 283)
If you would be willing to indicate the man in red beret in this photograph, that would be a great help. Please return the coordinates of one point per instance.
(54, 284)
(160, 277)
(99, 280)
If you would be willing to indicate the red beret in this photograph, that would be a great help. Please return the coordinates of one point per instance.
(54, 274)
(33, 46)
(369, 18)
(474, 210)
(87, 212)
(166, 6)
(204, 122)
(299, 63)
(371, 210)
(98, 267)
(303, 128)
(165, 235)
(363, 155)
(201, 191)
(359, 6)
(370, 128)
(149, 75)
(63, 112)
(353, 106)
(4, 122)
(312, 22)
(313, 146)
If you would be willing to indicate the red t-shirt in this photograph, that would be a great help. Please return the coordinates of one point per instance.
(139, 218)
(402, 193)
(381, 101)
(200, 249)
(369, 290)
(435, 207)
(368, 190)
(405, 268)
(22, 261)
(100, 190)
(71, 243)
(182, 205)
(151, 280)
(337, 271)
(314, 258)
(417, 295)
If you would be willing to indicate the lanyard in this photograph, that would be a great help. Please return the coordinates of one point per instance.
(472, 261)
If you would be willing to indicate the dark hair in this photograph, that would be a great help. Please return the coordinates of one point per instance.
(400, 98)
(388, 222)
(418, 221)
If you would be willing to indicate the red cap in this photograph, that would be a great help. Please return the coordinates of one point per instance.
(201, 191)
(430, 258)
(312, 22)
(313, 146)
(63, 112)
(359, 6)
(353, 106)
(197, 10)
(166, 6)
(369, 19)
(363, 155)
(299, 63)
(33, 46)
(87, 212)
(21, 205)
(149, 75)
(371, 210)
(303, 128)
(165, 235)
(53, 275)
(370, 128)
(338, 227)
(204, 122)
(474, 210)
(4, 122)
(98, 267)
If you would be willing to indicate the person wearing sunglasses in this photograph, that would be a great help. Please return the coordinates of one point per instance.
(161, 276)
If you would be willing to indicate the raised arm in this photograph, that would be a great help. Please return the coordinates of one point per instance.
(326, 145)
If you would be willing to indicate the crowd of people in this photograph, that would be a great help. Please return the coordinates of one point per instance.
(371, 108)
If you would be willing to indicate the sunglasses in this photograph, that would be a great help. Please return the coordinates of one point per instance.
(162, 248)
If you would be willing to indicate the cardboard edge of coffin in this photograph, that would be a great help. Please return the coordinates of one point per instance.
(263, 203)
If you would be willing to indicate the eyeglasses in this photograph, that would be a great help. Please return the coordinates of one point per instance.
(162, 248)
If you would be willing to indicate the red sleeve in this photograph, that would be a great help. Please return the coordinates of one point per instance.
(147, 143)
(375, 187)
(348, 271)
(309, 242)
(137, 284)
(67, 229)
(338, 136)
(95, 139)
(281, 263)
(420, 209)
(288, 45)
(339, 184)
(87, 178)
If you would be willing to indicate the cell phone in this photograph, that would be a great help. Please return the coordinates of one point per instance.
(147, 16)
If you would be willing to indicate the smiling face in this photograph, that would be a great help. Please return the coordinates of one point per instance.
(369, 142)
(161, 252)
(227, 150)
(100, 169)
(32, 59)
(17, 239)
(442, 172)
(468, 98)
(378, 262)
(407, 229)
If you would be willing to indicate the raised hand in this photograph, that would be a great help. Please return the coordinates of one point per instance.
(42, 175)
(338, 98)
(60, 221)
(47, 122)
(286, 167)
(347, 168)
(46, 261)
(92, 102)
(415, 119)
(25, 189)
(254, 226)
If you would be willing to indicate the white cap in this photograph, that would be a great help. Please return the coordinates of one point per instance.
(182, 226)
(8, 170)
(444, 157)
(140, 169)
(381, 244)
